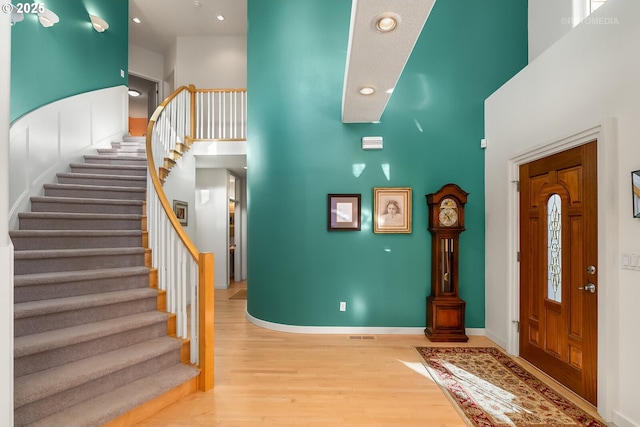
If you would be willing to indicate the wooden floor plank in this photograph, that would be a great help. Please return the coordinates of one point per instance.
(266, 378)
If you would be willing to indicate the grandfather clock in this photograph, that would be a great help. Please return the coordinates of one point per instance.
(445, 309)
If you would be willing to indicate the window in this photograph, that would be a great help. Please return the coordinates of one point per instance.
(554, 248)
(594, 4)
(584, 8)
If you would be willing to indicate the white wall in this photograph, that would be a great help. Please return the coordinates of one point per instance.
(212, 215)
(221, 62)
(180, 185)
(6, 248)
(46, 140)
(147, 64)
(549, 20)
(585, 84)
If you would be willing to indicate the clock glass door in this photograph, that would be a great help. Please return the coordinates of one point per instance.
(558, 277)
(446, 266)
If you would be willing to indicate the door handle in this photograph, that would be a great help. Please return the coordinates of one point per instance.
(590, 287)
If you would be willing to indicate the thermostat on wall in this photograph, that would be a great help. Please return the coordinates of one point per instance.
(372, 143)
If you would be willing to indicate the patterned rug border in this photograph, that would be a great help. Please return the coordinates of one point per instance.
(481, 418)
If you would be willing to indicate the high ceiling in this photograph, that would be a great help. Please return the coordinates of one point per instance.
(161, 21)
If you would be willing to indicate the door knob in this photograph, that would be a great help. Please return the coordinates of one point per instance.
(589, 287)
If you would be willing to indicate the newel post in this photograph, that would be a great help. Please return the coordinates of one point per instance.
(205, 313)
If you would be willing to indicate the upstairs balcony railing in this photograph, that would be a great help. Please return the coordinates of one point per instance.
(186, 116)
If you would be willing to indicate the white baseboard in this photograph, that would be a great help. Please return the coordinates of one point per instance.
(336, 330)
(621, 421)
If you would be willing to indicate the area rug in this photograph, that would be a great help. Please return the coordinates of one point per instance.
(489, 389)
(241, 294)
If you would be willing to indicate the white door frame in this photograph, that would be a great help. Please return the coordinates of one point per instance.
(608, 340)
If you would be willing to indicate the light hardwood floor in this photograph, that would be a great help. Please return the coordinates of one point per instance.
(268, 378)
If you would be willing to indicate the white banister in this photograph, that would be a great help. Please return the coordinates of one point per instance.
(221, 114)
(183, 272)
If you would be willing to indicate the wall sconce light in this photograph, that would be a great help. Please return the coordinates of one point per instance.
(16, 17)
(47, 18)
(99, 24)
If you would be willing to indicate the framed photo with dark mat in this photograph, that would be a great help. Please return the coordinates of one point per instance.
(343, 212)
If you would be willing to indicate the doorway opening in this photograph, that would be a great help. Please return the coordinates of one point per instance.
(143, 100)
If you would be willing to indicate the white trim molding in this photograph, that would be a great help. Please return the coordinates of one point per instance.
(44, 142)
(355, 330)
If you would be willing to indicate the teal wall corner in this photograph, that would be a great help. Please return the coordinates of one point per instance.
(69, 58)
(299, 151)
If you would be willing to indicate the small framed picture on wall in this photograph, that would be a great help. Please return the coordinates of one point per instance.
(392, 210)
(181, 209)
(343, 212)
(635, 188)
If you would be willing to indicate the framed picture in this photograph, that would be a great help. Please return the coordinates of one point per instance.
(181, 209)
(392, 210)
(343, 212)
(635, 186)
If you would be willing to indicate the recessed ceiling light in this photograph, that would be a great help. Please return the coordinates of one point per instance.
(136, 20)
(220, 18)
(367, 90)
(133, 92)
(386, 24)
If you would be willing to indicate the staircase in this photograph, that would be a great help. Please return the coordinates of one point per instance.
(89, 341)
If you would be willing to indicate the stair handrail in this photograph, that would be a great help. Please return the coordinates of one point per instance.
(173, 122)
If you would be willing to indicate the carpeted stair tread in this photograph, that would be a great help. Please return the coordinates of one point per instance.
(110, 159)
(85, 205)
(102, 179)
(54, 260)
(99, 410)
(57, 284)
(78, 221)
(68, 253)
(94, 188)
(36, 343)
(49, 306)
(110, 169)
(73, 234)
(32, 387)
(86, 200)
(76, 276)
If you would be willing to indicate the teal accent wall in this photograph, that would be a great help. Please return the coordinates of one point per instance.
(299, 151)
(49, 64)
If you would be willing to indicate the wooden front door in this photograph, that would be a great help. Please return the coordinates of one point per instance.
(558, 267)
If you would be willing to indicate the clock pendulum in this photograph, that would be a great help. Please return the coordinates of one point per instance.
(445, 309)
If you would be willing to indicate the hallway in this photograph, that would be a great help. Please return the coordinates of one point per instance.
(269, 378)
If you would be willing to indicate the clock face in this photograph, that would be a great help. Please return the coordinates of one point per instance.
(448, 217)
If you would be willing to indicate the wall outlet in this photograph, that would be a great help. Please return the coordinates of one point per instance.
(343, 306)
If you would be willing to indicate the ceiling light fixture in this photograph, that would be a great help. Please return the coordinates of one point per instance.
(99, 24)
(47, 18)
(136, 20)
(386, 22)
(133, 92)
(366, 90)
(220, 18)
